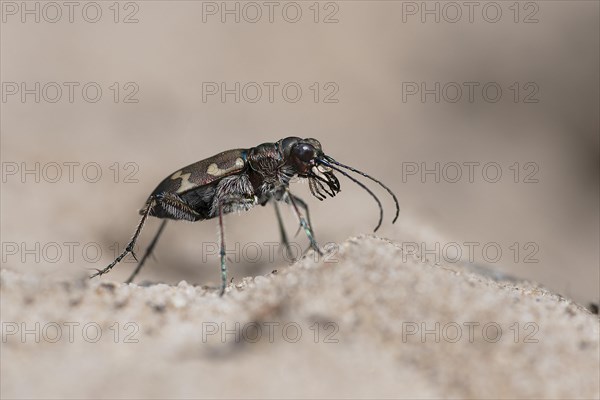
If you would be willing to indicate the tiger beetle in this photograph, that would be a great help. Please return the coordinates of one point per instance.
(237, 180)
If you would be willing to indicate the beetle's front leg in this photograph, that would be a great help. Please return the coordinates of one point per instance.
(305, 225)
(302, 204)
(283, 235)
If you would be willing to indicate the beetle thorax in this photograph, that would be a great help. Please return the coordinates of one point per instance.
(269, 173)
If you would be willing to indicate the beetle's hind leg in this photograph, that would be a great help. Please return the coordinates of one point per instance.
(164, 205)
(129, 249)
(148, 252)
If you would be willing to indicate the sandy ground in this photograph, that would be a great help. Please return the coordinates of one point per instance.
(367, 320)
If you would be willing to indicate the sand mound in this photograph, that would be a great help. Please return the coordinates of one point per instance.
(368, 321)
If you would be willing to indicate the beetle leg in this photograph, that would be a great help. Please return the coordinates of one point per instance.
(304, 206)
(172, 205)
(222, 202)
(222, 252)
(129, 249)
(306, 226)
(284, 239)
(148, 251)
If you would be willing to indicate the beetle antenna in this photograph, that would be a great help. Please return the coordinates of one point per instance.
(359, 183)
(331, 160)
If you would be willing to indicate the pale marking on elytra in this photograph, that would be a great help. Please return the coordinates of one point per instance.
(185, 181)
(214, 170)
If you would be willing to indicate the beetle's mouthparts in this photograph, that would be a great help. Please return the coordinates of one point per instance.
(323, 169)
(318, 177)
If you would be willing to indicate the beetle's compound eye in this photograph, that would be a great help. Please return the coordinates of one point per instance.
(304, 152)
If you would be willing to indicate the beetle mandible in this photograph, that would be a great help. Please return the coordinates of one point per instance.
(237, 180)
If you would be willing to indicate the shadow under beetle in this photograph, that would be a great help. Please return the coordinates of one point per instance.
(237, 180)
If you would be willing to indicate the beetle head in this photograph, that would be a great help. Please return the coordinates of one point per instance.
(301, 154)
(305, 157)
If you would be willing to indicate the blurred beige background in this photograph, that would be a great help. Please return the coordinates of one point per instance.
(366, 61)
